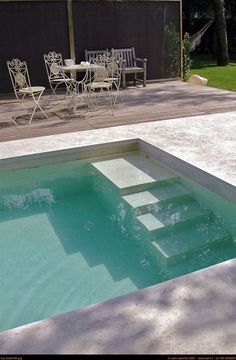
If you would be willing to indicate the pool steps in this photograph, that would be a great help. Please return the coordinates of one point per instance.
(166, 211)
(145, 201)
(172, 248)
(172, 214)
(133, 173)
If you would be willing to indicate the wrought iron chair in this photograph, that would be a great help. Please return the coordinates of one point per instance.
(56, 76)
(20, 79)
(112, 64)
(93, 54)
(99, 84)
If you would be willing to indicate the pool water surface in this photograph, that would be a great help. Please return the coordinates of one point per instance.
(68, 239)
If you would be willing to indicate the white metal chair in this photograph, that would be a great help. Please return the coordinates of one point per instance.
(114, 76)
(112, 63)
(20, 79)
(99, 85)
(56, 76)
(93, 54)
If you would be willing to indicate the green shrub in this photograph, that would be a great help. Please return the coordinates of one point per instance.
(172, 53)
(187, 62)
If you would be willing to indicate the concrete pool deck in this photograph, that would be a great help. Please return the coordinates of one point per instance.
(192, 314)
(206, 141)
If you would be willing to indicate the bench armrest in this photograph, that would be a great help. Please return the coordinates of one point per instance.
(140, 60)
(122, 63)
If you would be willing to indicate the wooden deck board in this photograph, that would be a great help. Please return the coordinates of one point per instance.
(156, 102)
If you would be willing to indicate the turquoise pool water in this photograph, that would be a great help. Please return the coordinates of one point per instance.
(68, 240)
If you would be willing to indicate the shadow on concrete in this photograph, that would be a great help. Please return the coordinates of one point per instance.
(192, 314)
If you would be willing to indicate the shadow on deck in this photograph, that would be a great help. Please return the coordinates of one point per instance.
(158, 101)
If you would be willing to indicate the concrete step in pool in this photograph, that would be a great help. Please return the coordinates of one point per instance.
(134, 172)
(161, 219)
(197, 239)
(170, 219)
(147, 201)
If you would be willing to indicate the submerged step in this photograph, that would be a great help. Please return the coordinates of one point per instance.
(145, 201)
(133, 171)
(177, 244)
(172, 214)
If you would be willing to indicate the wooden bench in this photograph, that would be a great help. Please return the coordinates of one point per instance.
(129, 65)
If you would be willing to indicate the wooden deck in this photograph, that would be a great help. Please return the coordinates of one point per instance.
(158, 101)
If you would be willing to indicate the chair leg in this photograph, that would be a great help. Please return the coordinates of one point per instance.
(107, 98)
(144, 79)
(43, 111)
(123, 80)
(110, 99)
(117, 94)
(145, 75)
(32, 115)
(89, 97)
(22, 107)
(93, 99)
(37, 105)
(52, 94)
(55, 94)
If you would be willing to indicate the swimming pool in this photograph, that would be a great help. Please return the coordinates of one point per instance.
(80, 232)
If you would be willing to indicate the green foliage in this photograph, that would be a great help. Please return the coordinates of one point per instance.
(187, 62)
(172, 51)
(172, 63)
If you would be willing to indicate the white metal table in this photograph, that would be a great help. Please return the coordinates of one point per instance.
(73, 69)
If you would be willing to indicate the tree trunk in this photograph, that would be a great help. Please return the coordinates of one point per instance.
(222, 53)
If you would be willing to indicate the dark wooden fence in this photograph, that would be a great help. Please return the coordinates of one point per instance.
(28, 29)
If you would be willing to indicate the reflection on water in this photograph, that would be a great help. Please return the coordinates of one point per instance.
(39, 197)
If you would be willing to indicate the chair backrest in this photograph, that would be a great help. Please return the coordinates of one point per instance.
(113, 68)
(19, 75)
(53, 61)
(109, 61)
(91, 54)
(127, 54)
(100, 74)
